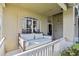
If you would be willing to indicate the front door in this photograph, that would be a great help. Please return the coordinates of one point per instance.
(50, 29)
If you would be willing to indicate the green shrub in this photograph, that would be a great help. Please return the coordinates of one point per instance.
(72, 51)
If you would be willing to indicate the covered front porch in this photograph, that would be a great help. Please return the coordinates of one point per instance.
(54, 19)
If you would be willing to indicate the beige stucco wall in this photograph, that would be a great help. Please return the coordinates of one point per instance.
(12, 24)
(68, 24)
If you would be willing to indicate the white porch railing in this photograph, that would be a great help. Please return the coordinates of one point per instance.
(2, 50)
(43, 50)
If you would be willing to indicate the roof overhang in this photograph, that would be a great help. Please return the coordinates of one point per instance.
(47, 9)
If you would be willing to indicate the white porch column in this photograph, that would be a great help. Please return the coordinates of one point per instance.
(1, 18)
(68, 24)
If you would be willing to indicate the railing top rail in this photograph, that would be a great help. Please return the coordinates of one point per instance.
(51, 43)
(2, 40)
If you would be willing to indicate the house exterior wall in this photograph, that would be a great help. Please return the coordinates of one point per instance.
(68, 24)
(12, 24)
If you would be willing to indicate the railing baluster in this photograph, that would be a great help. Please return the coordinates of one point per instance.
(42, 51)
(46, 51)
(49, 51)
(39, 53)
(36, 53)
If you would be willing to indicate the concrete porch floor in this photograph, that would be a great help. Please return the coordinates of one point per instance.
(14, 52)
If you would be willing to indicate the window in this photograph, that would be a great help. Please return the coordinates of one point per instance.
(30, 25)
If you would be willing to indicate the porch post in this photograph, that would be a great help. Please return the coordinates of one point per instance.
(68, 24)
(1, 19)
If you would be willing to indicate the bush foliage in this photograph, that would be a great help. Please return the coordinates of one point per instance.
(72, 51)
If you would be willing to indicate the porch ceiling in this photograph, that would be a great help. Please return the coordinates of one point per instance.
(41, 8)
